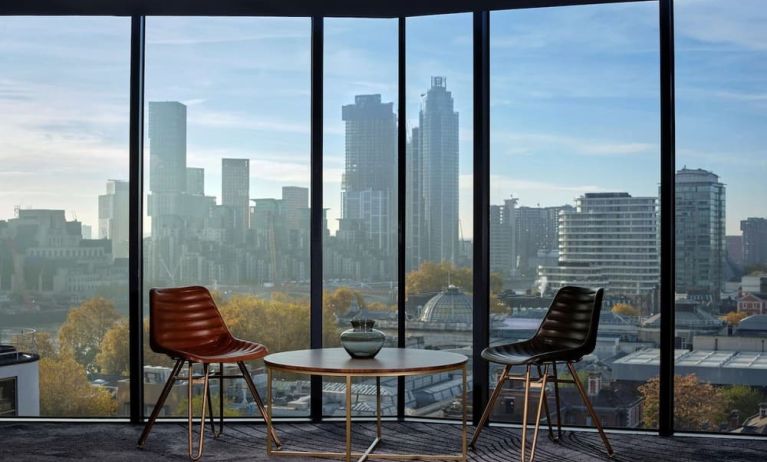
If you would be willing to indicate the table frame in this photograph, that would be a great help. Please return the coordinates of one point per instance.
(369, 453)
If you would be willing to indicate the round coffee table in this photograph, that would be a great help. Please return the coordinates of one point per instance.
(390, 362)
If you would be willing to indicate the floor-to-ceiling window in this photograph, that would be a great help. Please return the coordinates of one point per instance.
(575, 170)
(360, 193)
(439, 218)
(64, 111)
(226, 184)
(721, 216)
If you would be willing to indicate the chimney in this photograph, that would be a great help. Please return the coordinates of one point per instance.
(595, 384)
(763, 410)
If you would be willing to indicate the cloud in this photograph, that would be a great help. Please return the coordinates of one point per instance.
(529, 143)
(232, 119)
(740, 23)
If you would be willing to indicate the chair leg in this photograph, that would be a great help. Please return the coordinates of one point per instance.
(221, 399)
(190, 409)
(590, 408)
(160, 402)
(556, 398)
(541, 403)
(489, 407)
(523, 441)
(546, 405)
(211, 417)
(257, 399)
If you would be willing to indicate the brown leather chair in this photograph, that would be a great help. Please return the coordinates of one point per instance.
(567, 333)
(185, 324)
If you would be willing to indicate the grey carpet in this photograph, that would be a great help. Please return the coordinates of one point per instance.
(117, 442)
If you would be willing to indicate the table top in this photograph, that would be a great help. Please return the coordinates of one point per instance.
(388, 362)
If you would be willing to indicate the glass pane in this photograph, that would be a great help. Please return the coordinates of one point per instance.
(721, 216)
(64, 112)
(360, 194)
(574, 187)
(439, 218)
(227, 184)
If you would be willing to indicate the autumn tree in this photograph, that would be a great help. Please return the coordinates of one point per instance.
(339, 300)
(281, 325)
(66, 392)
(697, 405)
(625, 309)
(432, 277)
(40, 343)
(114, 357)
(733, 318)
(83, 331)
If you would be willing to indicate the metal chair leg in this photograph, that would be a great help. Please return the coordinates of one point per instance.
(160, 402)
(489, 408)
(257, 399)
(541, 403)
(205, 393)
(546, 405)
(590, 407)
(556, 398)
(523, 441)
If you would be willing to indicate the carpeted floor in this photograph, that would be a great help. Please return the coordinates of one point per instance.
(117, 442)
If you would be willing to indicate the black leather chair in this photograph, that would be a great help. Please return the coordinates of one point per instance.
(567, 333)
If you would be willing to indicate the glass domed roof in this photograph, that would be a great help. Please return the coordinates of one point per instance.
(449, 306)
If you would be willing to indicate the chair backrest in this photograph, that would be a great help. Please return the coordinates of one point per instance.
(183, 317)
(571, 321)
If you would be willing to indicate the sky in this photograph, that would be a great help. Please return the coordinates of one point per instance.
(574, 99)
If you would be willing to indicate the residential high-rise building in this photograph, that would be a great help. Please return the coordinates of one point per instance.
(195, 181)
(535, 231)
(235, 192)
(114, 216)
(167, 147)
(754, 241)
(369, 206)
(700, 232)
(609, 240)
(503, 248)
(438, 139)
(295, 203)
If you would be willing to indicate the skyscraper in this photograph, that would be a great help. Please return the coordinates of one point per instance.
(195, 181)
(167, 147)
(503, 251)
(114, 215)
(438, 138)
(415, 224)
(609, 240)
(754, 241)
(295, 203)
(235, 192)
(700, 232)
(369, 206)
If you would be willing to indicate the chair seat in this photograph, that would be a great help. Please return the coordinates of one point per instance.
(230, 350)
(527, 352)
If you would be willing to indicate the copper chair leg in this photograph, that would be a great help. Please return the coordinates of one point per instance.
(257, 399)
(160, 402)
(590, 408)
(523, 441)
(541, 403)
(556, 398)
(190, 409)
(546, 405)
(489, 406)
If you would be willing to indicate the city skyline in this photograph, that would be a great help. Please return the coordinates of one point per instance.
(214, 118)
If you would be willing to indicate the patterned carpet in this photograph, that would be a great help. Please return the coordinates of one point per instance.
(117, 442)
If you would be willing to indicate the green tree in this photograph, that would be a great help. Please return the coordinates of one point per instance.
(84, 329)
(66, 392)
(697, 406)
(744, 399)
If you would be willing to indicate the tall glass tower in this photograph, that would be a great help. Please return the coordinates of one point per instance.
(700, 232)
(438, 138)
